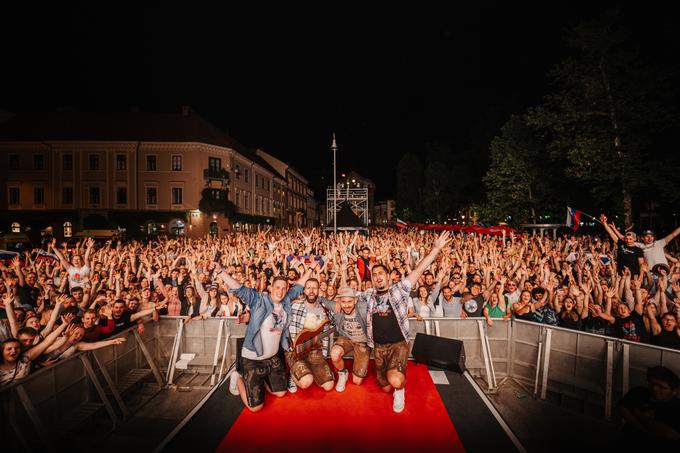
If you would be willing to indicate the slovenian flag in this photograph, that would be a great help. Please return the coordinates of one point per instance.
(43, 256)
(401, 224)
(573, 218)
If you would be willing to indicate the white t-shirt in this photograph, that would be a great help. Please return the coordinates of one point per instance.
(271, 338)
(654, 252)
(77, 276)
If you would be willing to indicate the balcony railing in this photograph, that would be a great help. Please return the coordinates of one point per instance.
(219, 174)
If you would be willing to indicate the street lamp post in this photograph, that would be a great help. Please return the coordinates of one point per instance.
(334, 147)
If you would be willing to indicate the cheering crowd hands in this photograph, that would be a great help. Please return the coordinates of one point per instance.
(581, 283)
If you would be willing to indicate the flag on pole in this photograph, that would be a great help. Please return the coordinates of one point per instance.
(43, 256)
(401, 224)
(573, 218)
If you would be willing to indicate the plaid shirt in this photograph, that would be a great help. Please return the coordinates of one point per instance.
(398, 298)
(297, 320)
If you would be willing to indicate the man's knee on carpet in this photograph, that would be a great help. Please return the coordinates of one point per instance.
(305, 381)
(327, 386)
(336, 354)
(396, 379)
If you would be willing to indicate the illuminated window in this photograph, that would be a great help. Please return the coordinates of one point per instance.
(16, 228)
(68, 229)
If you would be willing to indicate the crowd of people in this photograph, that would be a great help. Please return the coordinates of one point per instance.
(63, 300)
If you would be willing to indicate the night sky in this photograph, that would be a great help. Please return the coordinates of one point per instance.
(387, 77)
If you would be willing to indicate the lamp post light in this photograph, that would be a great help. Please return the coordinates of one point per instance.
(334, 147)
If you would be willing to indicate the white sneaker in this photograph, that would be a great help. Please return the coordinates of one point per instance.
(343, 375)
(233, 383)
(292, 388)
(399, 401)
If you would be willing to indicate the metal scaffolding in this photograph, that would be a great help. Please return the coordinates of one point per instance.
(355, 198)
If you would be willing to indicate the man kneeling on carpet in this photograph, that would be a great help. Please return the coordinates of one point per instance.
(307, 362)
(387, 322)
(351, 328)
(260, 363)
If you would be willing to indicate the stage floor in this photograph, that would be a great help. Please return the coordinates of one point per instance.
(441, 417)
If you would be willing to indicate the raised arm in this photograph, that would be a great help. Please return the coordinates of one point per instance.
(41, 347)
(62, 260)
(437, 247)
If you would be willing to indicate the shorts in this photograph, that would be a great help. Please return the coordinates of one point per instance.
(257, 373)
(314, 363)
(361, 353)
(388, 357)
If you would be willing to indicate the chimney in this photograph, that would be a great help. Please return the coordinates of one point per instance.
(186, 110)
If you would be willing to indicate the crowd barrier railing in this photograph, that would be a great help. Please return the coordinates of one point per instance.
(53, 401)
(544, 359)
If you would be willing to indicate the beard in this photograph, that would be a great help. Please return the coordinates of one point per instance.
(312, 299)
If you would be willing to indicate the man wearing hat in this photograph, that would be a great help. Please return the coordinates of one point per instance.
(654, 249)
(350, 325)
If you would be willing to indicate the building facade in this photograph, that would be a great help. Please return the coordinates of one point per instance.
(144, 172)
(385, 213)
(297, 192)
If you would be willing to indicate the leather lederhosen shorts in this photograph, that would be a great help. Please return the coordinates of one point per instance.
(257, 373)
(390, 356)
(361, 353)
(314, 362)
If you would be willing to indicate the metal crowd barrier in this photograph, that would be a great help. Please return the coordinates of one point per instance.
(590, 368)
(50, 403)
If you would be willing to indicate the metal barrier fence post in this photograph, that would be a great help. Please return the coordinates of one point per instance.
(625, 384)
(175, 351)
(100, 390)
(609, 380)
(147, 356)
(217, 352)
(112, 387)
(546, 363)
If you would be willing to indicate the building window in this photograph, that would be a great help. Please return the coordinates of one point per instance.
(176, 162)
(215, 194)
(13, 161)
(151, 195)
(121, 195)
(247, 175)
(246, 200)
(38, 195)
(150, 162)
(14, 196)
(67, 195)
(214, 164)
(38, 162)
(257, 180)
(121, 162)
(237, 170)
(238, 197)
(257, 204)
(16, 228)
(67, 162)
(68, 229)
(94, 197)
(176, 195)
(94, 162)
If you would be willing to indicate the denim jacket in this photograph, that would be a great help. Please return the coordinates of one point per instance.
(261, 306)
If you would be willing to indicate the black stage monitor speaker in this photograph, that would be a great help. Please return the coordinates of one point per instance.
(439, 352)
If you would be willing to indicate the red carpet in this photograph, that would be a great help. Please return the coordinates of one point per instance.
(358, 420)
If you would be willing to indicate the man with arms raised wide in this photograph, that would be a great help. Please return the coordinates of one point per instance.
(269, 318)
(387, 322)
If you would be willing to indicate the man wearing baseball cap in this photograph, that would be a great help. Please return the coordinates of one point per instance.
(654, 249)
(350, 324)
